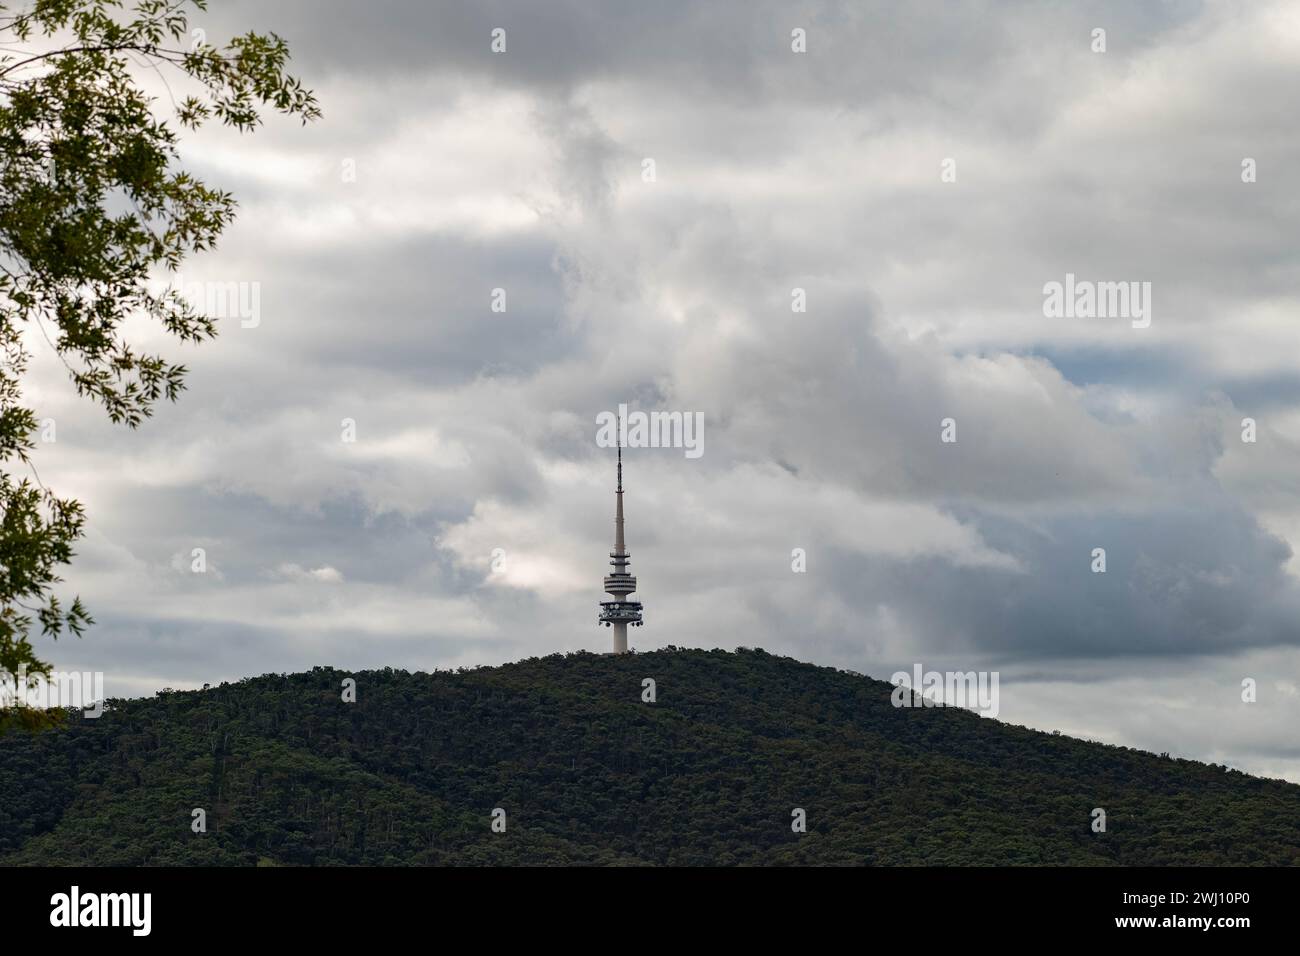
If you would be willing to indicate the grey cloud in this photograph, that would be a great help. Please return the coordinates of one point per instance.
(475, 430)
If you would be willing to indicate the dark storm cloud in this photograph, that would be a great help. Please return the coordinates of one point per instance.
(1178, 581)
(941, 59)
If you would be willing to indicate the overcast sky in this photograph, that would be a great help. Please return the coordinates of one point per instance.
(774, 170)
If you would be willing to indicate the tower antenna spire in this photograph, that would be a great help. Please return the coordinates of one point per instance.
(621, 611)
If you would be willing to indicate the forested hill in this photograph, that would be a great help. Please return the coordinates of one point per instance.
(586, 772)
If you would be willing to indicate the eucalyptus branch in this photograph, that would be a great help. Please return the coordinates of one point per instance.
(77, 132)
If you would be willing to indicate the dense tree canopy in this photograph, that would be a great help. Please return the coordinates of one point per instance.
(289, 773)
(93, 205)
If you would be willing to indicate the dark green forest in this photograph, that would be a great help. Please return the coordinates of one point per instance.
(290, 774)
